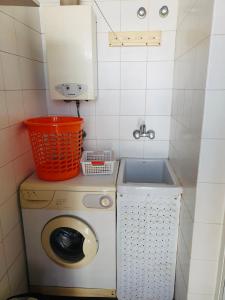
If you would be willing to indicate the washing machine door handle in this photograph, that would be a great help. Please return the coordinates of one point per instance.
(90, 245)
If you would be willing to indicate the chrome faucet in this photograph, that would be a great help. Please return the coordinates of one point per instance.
(138, 133)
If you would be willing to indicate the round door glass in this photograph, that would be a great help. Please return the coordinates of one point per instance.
(67, 243)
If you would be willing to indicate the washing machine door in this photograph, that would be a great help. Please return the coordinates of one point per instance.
(69, 242)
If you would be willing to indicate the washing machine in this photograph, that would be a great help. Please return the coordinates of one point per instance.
(70, 235)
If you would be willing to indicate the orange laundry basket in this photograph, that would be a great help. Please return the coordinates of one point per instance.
(57, 145)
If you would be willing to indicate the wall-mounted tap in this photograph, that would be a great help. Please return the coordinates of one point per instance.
(138, 133)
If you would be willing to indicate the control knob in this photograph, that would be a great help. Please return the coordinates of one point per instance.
(105, 202)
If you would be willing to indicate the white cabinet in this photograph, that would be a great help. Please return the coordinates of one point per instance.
(70, 33)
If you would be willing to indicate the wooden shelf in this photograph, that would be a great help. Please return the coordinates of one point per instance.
(134, 38)
(20, 2)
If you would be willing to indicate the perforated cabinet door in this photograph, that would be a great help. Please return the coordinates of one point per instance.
(147, 243)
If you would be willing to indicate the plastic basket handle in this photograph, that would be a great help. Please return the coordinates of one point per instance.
(97, 163)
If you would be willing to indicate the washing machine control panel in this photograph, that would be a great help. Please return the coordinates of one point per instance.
(97, 201)
(68, 200)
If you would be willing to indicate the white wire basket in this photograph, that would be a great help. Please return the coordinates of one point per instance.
(97, 162)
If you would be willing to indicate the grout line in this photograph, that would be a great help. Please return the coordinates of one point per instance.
(120, 93)
(22, 90)
(15, 158)
(218, 34)
(21, 56)
(135, 61)
(17, 20)
(193, 47)
(15, 193)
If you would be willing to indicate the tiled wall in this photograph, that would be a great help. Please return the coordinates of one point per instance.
(210, 202)
(197, 246)
(22, 95)
(135, 84)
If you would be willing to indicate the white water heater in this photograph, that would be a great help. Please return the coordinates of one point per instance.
(70, 33)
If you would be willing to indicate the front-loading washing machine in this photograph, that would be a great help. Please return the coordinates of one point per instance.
(70, 235)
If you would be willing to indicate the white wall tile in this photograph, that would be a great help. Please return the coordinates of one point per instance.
(107, 127)
(210, 203)
(134, 53)
(87, 108)
(166, 49)
(4, 287)
(34, 102)
(201, 65)
(216, 79)
(212, 161)
(106, 53)
(132, 102)
(111, 11)
(3, 267)
(160, 75)
(90, 145)
(156, 22)
(15, 107)
(218, 26)
(202, 278)
(161, 126)
(214, 122)
(204, 17)
(28, 16)
(17, 273)
(112, 80)
(29, 43)
(32, 74)
(200, 296)
(33, 18)
(180, 287)
(11, 71)
(184, 8)
(108, 102)
(12, 239)
(1, 75)
(109, 145)
(133, 75)
(197, 21)
(9, 208)
(19, 13)
(89, 127)
(186, 226)
(7, 9)
(131, 149)
(7, 34)
(7, 182)
(5, 151)
(156, 149)
(23, 287)
(129, 19)
(19, 143)
(206, 241)
(158, 102)
(196, 113)
(4, 119)
(183, 257)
